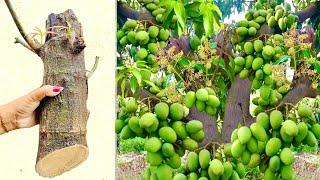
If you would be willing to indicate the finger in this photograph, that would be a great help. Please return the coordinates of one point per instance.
(44, 91)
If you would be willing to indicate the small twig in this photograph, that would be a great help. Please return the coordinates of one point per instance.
(27, 38)
(94, 67)
(20, 41)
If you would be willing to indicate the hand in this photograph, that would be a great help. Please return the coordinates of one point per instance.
(20, 113)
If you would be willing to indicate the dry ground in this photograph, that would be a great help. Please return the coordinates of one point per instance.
(130, 166)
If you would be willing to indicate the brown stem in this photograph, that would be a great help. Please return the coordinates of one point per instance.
(33, 46)
(209, 126)
(301, 88)
(237, 104)
(310, 12)
(124, 11)
(20, 41)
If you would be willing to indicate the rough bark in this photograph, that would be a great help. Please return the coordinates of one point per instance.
(237, 107)
(63, 119)
(301, 88)
(209, 125)
(124, 11)
(310, 12)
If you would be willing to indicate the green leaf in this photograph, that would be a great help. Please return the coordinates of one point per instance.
(167, 80)
(181, 15)
(169, 9)
(283, 59)
(207, 23)
(316, 66)
(119, 76)
(123, 86)
(136, 73)
(306, 53)
(199, 67)
(215, 8)
(213, 45)
(150, 83)
(192, 9)
(133, 84)
(183, 61)
(120, 68)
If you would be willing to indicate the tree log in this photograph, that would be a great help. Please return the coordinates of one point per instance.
(237, 107)
(63, 119)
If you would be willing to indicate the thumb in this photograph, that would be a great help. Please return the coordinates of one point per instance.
(44, 91)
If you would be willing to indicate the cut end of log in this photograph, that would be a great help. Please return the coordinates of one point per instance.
(61, 160)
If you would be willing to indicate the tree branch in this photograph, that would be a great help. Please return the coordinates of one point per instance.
(310, 12)
(124, 11)
(209, 126)
(31, 43)
(301, 88)
(237, 107)
(23, 43)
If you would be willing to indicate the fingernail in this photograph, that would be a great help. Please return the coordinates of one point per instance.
(57, 88)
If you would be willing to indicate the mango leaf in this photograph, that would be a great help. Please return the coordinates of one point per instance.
(169, 9)
(150, 83)
(207, 23)
(216, 22)
(119, 77)
(213, 45)
(316, 66)
(167, 80)
(133, 84)
(220, 62)
(120, 68)
(192, 9)
(142, 64)
(183, 61)
(215, 8)
(167, 22)
(283, 59)
(123, 86)
(181, 15)
(180, 85)
(199, 67)
(136, 73)
(306, 53)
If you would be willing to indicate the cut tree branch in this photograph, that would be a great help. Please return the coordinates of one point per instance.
(31, 43)
(124, 11)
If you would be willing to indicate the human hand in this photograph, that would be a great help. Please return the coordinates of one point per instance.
(20, 113)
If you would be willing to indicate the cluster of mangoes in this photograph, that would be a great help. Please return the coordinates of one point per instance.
(167, 135)
(164, 152)
(204, 99)
(270, 95)
(267, 142)
(156, 10)
(278, 16)
(204, 166)
(149, 40)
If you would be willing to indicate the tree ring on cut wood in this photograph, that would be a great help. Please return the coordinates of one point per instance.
(67, 158)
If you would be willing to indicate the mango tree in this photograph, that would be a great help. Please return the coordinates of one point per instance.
(185, 81)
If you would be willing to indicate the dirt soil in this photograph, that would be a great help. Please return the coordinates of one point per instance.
(131, 166)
